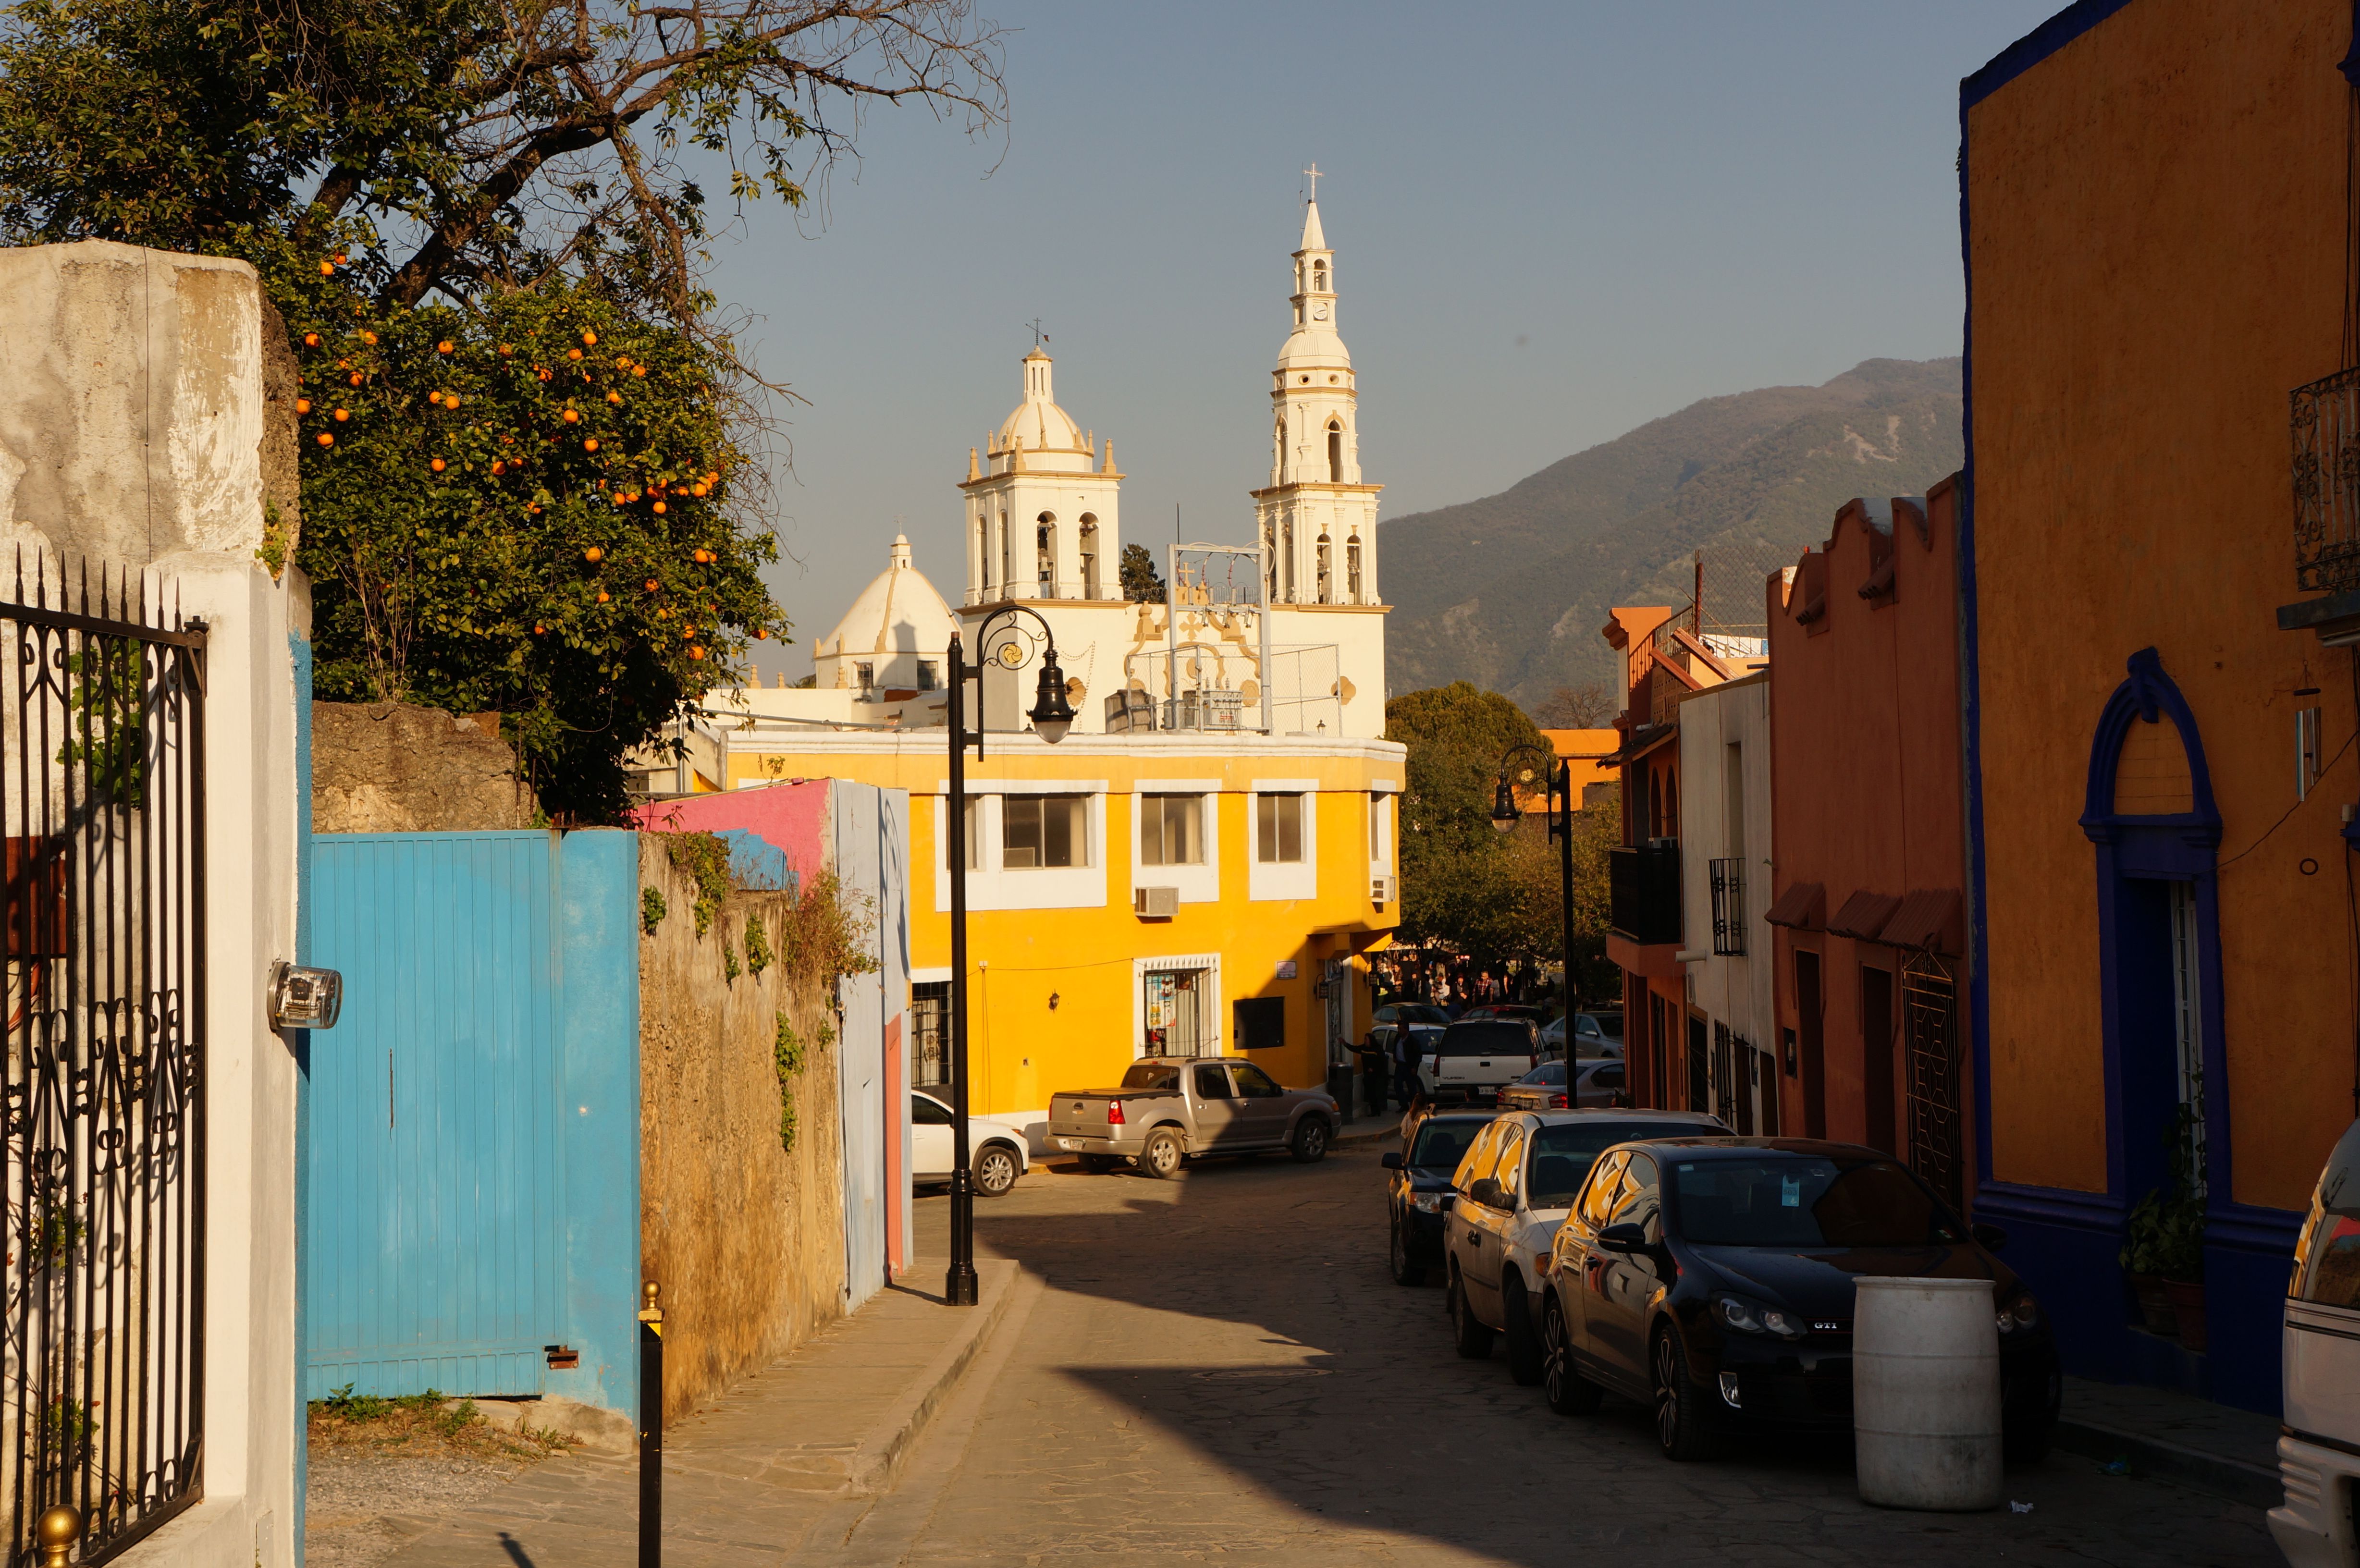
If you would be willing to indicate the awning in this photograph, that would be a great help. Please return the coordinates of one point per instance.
(1802, 906)
(1928, 921)
(1863, 916)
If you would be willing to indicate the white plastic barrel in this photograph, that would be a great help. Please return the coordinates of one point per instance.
(1924, 1394)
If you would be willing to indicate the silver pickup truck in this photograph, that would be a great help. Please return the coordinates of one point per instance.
(1171, 1109)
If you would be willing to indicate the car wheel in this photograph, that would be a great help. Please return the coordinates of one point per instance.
(2027, 1442)
(1473, 1339)
(1404, 1271)
(995, 1169)
(1098, 1164)
(1309, 1144)
(1569, 1393)
(1679, 1404)
(1162, 1155)
(1523, 1345)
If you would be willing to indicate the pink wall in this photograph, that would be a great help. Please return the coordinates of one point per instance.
(791, 817)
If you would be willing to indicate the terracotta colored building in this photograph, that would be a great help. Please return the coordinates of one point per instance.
(1665, 655)
(1869, 859)
(2155, 204)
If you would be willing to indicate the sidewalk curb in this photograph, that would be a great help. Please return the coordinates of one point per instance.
(2215, 1473)
(1383, 1134)
(870, 1467)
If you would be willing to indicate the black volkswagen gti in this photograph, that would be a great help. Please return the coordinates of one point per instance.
(1418, 1194)
(1713, 1279)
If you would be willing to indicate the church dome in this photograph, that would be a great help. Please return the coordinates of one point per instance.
(899, 614)
(1050, 437)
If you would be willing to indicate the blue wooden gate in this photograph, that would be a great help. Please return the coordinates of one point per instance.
(436, 1246)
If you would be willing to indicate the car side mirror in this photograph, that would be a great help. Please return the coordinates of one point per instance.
(1392, 1161)
(1485, 1191)
(1990, 1238)
(1623, 1237)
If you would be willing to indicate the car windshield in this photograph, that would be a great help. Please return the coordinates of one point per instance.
(1804, 1201)
(1609, 1024)
(1145, 1076)
(1418, 1013)
(1563, 1153)
(1548, 1073)
(1486, 1036)
(1441, 1145)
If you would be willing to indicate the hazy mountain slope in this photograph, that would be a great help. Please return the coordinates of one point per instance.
(1509, 592)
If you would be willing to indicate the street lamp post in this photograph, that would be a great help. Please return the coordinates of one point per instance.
(1506, 813)
(1052, 716)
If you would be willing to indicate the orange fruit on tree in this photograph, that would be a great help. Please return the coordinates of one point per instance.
(593, 555)
(344, 414)
(450, 399)
(696, 653)
(302, 404)
(506, 349)
(638, 370)
(498, 468)
(368, 337)
(572, 417)
(590, 444)
(327, 440)
(344, 365)
(590, 339)
(444, 346)
(574, 353)
(614, 396)
(340, 258)
(651, 584)
(327, 269)
(436, 465)
(543, 374)
(660, 508)
(619, 497)
(663, 614)
(622, 362)
(354, 379)
(538, 628)
(311, 339)
(762, 634)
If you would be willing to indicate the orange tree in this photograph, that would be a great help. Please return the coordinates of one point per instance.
(529, 507)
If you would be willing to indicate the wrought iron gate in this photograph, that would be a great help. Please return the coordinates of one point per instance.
(103, 806)
(1929, 1011)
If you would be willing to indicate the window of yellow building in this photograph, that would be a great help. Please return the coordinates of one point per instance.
(1278, 830)
(1043, 830)
(1171, 830)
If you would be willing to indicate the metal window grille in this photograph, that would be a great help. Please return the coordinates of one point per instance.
(1929, 1017)
(2326, 430)
(104, 939)
(1727, 906)
(929, 1034)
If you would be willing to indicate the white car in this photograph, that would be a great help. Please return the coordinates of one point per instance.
(1510, 1193)
(995, 1148)
(2319, 1451)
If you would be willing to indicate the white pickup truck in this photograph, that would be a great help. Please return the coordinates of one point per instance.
(1474, 1059)
(1171, 1109)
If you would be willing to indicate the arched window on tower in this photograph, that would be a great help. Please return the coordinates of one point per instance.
(1352, 569)
(983, 557)
(1327, 574)
(1287, 561)
(1007, 558)
(1278, 447)
(1335, 451)
(1044, 553)
(1319, 278)
(1089, 542)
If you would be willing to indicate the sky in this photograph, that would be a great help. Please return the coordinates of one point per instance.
(1552, 224)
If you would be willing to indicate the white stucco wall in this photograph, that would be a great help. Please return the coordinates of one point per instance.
(1716, 823)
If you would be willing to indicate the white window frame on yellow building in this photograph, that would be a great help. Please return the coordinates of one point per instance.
(1209, 963)
(1200, 884)
(990, 885)
(1272, 881)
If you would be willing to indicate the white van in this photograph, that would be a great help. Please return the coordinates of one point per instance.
(2318, 1457)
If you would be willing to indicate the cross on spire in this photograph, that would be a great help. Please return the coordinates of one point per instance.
(1039, 337)
(1312, 173)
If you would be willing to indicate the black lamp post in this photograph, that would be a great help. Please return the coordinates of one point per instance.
(1505, 814)
(1051, 717)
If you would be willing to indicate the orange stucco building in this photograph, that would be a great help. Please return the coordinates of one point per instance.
(2153, 204)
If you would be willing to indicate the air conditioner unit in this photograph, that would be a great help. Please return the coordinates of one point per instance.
(1383, 889)
(1155, 903)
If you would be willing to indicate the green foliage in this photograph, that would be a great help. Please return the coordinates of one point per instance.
(1464, 883)
(501, 178)
(1141, 583)
(652, 910)
(826, 937)
(730, 970)
(2165, 1236)
(107, 726)
(705, 860)
(758, 945)
(574, 563)
(277, 535)
(342, 1404)
(63, 1232)
(67, 1427)
(787, 1057)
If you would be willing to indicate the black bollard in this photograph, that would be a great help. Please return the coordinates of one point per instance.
(651, 1433)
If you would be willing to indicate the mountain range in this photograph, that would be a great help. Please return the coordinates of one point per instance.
(1509, 592)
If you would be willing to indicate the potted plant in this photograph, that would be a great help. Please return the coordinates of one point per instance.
(2163, 1248)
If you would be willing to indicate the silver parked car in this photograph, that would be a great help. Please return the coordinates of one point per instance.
(1171, 1109)
(1515, 1187)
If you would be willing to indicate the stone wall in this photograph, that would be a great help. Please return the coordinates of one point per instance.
(745, 1237)
(391, 767)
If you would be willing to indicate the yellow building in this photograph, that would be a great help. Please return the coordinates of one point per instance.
(1202, 864)
(1275, 857)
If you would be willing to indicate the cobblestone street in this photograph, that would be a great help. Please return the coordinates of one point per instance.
(1219, 1367)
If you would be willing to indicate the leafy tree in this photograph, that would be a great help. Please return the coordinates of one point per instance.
(448, 199)
(1141, 583)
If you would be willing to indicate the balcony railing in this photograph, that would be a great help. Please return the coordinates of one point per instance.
(1727, 906)
(1644, 888)
(2326, 430)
